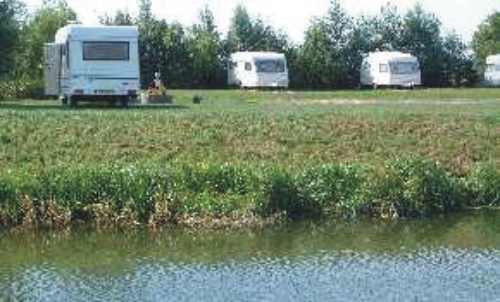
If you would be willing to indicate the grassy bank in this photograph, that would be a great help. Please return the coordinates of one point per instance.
(228, 195)
(251, 157)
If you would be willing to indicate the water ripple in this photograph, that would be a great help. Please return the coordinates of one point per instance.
(427, 275)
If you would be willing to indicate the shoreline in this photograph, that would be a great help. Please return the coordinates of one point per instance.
(238, 196)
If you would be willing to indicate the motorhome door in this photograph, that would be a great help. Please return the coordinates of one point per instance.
(52, 68)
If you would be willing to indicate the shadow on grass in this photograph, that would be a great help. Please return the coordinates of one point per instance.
(53, 106)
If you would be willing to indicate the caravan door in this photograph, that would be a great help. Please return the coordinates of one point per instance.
(52, 68)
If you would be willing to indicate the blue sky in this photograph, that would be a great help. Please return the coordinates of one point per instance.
(293, 16)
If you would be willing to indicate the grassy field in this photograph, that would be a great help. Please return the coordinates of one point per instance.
(243, 132)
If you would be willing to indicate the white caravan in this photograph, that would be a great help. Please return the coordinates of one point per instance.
(393, 69)
(93, 63)
(258, 69)
(492, 74)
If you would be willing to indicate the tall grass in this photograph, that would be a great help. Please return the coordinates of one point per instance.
(138, 193)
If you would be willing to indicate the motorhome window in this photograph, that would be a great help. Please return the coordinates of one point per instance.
(404, 67)
(248, 66)
(106, 51)
(270, 66)
(384, 68)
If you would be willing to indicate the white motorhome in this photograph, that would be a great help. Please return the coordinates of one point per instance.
(492, 74)
(392, 69)
(93, 63)
(258, 69)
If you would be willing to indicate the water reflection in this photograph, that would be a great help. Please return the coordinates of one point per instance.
(454, 258)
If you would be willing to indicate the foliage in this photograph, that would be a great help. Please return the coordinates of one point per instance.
(422, 38)
(163, 48)
(120, 18)
(206, 51)
(21, 88)
(486, 39)
(410, 188)
(326, 54)
(484, 186)
(40, 29)
(247, 33)
(415, 187)
(11, 12)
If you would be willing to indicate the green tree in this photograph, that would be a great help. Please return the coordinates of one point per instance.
(252, 34)
(150, 42)
(240, 30)
(11, 13)
(314, 56)
(175, 57)
(41, 29)
(486, 39)
(458, 65)
(422, 38)
(120, 18)
(206, 51)
(383, 31)
(330, 54)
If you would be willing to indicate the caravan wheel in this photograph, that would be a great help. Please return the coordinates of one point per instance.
(64, 100)
(124, 101)
(73, 102)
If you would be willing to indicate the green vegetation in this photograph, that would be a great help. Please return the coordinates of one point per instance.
(487, 38)
(245, 158)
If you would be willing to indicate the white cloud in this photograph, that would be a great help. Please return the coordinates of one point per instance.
(293, 16)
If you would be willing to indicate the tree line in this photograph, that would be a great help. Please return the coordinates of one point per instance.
(196, 56)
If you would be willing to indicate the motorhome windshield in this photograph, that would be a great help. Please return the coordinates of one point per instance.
(404, 67)
(270, 66)
(106, 51)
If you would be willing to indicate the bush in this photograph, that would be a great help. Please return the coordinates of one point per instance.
(220, 179)
(405, 188)
(281, 195)
(483, 186)
(76, 188)
(22, 89)
(332, 189)
(415, 187)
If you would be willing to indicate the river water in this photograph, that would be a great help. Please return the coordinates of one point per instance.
(455, 258)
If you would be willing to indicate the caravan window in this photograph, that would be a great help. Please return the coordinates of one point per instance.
(270, 66)
(106, 51)
(492, 68)
(384, 68)
(248, 66)
(404, 67)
